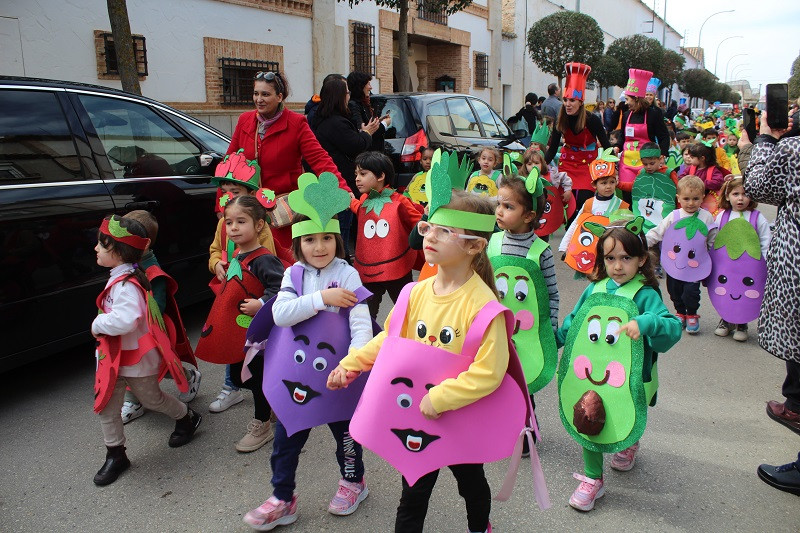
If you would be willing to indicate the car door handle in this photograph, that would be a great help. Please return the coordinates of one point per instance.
(147, 206)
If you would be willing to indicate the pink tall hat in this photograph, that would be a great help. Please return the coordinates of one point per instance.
(637, 82)
(577, 75)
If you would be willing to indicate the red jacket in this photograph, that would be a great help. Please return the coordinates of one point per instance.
(279, 153)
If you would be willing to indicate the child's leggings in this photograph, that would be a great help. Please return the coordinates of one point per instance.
(592, 464)
(149, 393)
(286, 456)
(261, 408)
(472, 486)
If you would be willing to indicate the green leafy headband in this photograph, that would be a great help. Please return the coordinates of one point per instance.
(439, 185)
(635, 226)
(535, 183)
(649, 152)
(541, 133)
(319, 200)
(511, 162)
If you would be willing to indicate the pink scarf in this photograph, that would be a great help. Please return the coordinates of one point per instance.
(265, 123)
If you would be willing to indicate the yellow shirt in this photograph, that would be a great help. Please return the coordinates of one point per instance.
(215, 250)
(446, 318)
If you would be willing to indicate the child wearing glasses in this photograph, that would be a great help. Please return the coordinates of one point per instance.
(442, 315)
(383, 256)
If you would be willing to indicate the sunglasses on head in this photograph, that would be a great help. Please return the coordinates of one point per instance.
(272, 77)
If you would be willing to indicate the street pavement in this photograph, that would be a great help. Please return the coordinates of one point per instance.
(696, 469)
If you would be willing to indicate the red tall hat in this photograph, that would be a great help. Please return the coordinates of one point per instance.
(577, 74)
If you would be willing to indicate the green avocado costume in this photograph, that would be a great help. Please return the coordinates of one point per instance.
(602, 397)
(522, 289)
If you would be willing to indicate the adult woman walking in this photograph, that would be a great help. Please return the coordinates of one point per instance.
(361, 112)
(773, 177)
(641, 124)
(279, 138)
(340, 138)
(581, 130)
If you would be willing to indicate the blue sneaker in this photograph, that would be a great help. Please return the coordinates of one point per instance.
(692, 324)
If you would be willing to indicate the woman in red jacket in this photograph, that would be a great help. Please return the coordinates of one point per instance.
(279, 138)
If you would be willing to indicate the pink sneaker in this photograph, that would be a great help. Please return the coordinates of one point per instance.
(347, 497)
(271, 514)
(587, 492)
(623, 461)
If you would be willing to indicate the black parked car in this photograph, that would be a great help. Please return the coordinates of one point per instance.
(457, 121)
(69, 155)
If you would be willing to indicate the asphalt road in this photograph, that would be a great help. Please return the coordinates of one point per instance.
(695, 470)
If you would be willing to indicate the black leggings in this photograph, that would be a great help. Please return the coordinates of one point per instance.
(262, 409)
(472, 486)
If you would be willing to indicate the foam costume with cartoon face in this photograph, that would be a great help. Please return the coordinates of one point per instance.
(388, 420)
(298, 359)
(739, 270)
(684, 253)
(653, 196)
(602, 397)
(582, 249)
(555, 213)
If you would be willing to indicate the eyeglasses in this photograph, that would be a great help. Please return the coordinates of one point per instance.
(441, 233)
(271, 76)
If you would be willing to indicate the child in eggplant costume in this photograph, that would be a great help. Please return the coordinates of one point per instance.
(607, 375)
(318, 315)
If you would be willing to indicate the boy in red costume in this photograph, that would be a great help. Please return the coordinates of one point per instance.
(383, 257)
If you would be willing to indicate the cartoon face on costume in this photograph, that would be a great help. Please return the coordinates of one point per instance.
(653, 198)
(416, 190)
(379, 245)
(522, 290)
(297, 361)
(388, 420)
(582, 249)
(483, 185)
(738, 273)
(553, 214)
(433, 335)
(599, 360)
(684, 254)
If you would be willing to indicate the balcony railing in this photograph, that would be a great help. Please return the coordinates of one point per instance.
(425, 13)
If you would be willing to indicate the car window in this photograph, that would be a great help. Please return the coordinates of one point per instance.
(36, 145)
(439, 119)
(501, 126)
(466, 125)
(403, 124)
(210, 140)
(139, 142)
(485, 115)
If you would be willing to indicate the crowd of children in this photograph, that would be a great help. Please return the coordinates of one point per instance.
(486, 233)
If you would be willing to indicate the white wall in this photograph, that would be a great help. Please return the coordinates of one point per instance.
(481, 42)
(58, 41)
(364, 12)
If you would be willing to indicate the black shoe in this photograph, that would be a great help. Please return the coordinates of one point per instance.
(784, 477)
(116, 463)
(184, 429)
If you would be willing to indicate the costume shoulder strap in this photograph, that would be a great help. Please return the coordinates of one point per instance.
(726, 215)
(613, 204)
(479, 326)
(296, 275)
(754, 218)
(400, 311)
(495, 244)
(255, 254)
(535, 251)
(628, 290)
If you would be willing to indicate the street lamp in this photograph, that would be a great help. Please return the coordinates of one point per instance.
(729, 63)
(700, 33)
(740, 72)
(716, 59)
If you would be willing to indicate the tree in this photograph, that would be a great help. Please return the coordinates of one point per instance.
(671, 70)
(698, 82)
(736, 97)
(607, 72)
(637, 51)
(794, 80)
(564, 37)
(447, 7)
(123, 45)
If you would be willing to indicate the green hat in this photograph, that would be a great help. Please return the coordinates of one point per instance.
(319, 200)
(439, 185)
(236, 169)
(635, 225)
(541, 133)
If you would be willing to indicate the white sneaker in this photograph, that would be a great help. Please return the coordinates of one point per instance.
(226, 398)
(131, 411)
(194, 384)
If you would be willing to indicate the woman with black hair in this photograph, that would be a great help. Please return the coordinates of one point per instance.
(361, 113)
(340, 138)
